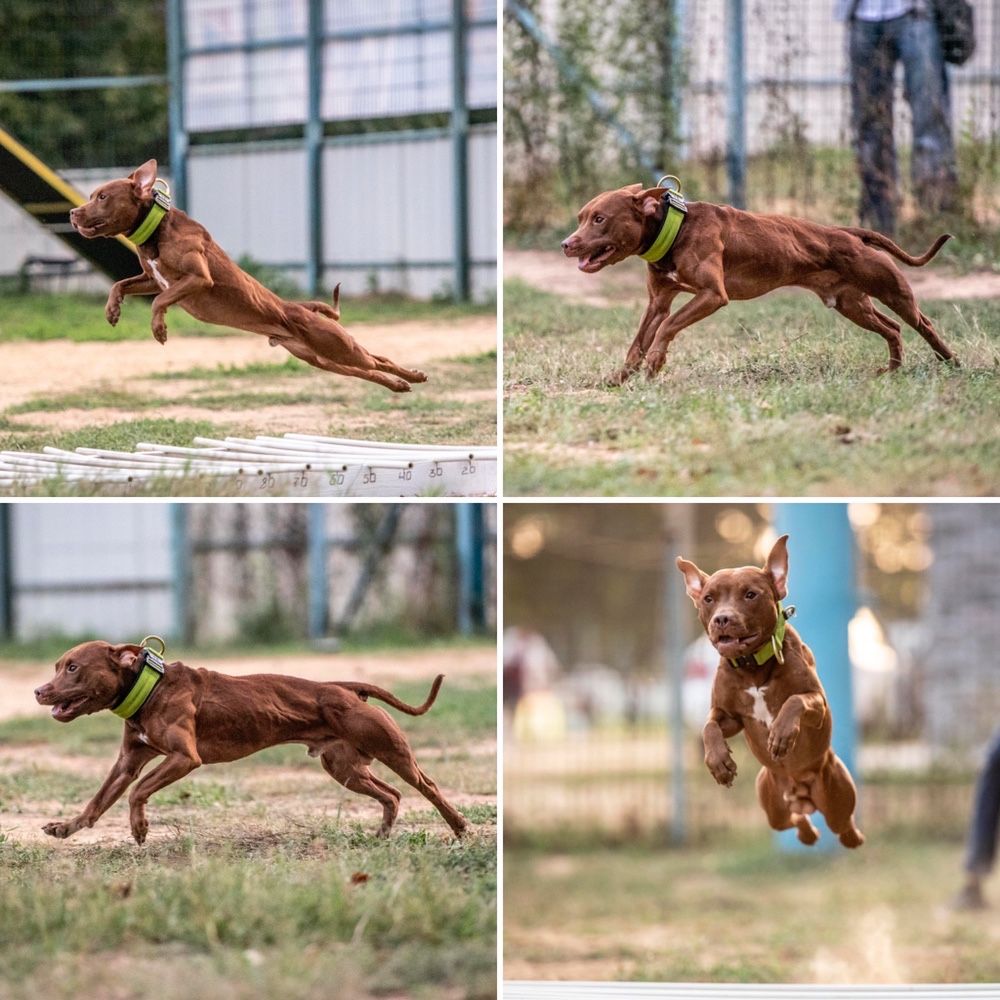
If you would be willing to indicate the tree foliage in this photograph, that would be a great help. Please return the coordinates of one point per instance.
(66, 39)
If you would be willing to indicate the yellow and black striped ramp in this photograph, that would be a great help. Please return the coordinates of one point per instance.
(47, 198)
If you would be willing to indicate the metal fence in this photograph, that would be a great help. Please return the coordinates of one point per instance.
(248, 572)
(750, 101)
(336, 140)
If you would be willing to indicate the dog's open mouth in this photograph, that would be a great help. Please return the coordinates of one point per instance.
(730, 646)
(596, 260)
(64, 711)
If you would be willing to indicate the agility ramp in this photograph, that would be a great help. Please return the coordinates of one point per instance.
(295, 465)
(47, 198)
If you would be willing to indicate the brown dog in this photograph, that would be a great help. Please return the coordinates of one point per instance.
(195, 717)
(722, 253)
(766, 685)
(182, 263)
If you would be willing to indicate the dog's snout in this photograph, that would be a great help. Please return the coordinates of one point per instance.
(722, 620)
(565, 243)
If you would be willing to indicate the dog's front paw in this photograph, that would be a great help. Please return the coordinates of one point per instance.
(61, 829)
(113, 310)
(159, 331)
(722, 766)
(616, 379)
(782, 739)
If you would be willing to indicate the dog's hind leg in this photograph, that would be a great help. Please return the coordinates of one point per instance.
(779, 814)
(403, 763)
(902, 302)
(858, 308)
(835, 797)
(345, 764)
(305, 353)
(410, 374)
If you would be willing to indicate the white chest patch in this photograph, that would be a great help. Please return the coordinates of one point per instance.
(143, 738)
(160, 280)
(760, 710)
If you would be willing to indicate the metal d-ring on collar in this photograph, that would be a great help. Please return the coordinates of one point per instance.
(676, 209)
(150, 674)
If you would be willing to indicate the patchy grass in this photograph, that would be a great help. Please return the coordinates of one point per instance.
(745, 913)
(774, 397)
(80, 317)
(261, 878)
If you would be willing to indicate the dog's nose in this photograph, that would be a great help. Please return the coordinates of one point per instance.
(721, 620)
(39, 691)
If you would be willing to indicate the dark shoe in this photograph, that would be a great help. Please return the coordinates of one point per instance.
(969, 898)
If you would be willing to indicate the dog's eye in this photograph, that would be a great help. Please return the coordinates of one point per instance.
(71, 669)
(707, 599)
(598, 219)
(751, 594)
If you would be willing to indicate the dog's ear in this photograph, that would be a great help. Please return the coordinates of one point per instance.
(776, 566)
(694, 579)
(143, 178)
(648, 201)
(126, 653)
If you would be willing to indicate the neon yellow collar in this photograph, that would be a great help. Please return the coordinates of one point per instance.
(771, 648)
(676, 210)
(149, 677)
(160, 207)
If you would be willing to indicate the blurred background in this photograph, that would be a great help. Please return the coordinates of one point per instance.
(320, 141)
(620, 848)
(748, 102)
(247, 574)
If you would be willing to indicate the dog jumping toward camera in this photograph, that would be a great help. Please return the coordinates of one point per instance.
(720, 253)
(182, 265)
(194, 717)
(766, 685)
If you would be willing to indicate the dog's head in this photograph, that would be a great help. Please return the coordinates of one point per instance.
(89, 677)
(739, 607)
(612, 226)
(118, 206)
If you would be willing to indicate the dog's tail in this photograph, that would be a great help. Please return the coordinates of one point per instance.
(336, 301)
(874, 239)
(366, 691)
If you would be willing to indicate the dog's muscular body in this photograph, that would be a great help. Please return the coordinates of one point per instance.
(777, 702)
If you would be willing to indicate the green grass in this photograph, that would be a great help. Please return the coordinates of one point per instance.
(777, 396)
(253, 883)
(80, 317)
(741, 912)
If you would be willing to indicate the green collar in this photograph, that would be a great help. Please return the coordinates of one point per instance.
(160, 207)
(771, 648)
(149, 676)
(676, 210)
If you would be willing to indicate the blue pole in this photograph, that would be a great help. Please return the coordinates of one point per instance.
(319, 590)
(736, 143)
(460, 152)
(175, 101)
(465, 557)
(821, 584)
(6, 572)
(314, 150)
(181, 548)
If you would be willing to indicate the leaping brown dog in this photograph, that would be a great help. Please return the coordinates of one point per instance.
(721, 253)
(766, 685)
(194, 717)
(186, 267)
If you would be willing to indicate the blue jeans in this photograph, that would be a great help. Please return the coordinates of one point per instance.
(875, 48)
(982, 847)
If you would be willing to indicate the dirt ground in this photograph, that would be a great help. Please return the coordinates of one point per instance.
(552, 272)
(305, 792)
(73, 367)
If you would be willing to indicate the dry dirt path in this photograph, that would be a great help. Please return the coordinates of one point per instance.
(621, 285)
(53, 367)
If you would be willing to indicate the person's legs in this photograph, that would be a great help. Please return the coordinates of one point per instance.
(873, 56)
(983, 828)
(935, 176)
